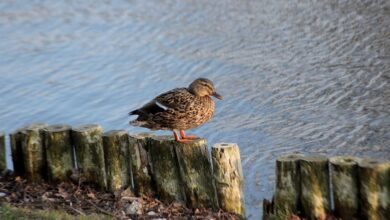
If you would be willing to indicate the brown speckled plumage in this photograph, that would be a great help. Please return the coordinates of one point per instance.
(178, 109)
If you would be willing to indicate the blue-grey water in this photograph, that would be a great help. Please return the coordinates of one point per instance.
(297, 75)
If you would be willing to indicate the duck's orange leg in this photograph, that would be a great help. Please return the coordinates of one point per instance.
(187, 137)
(177, 138)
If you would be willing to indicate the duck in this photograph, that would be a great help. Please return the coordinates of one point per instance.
(179, 109)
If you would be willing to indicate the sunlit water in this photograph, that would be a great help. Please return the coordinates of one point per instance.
(297, 76)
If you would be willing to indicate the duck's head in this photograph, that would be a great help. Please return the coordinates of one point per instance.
(203, 87)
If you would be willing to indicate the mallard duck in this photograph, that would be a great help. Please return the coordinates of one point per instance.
(179, 109)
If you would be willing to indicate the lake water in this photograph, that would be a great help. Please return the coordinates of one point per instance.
(297, 75)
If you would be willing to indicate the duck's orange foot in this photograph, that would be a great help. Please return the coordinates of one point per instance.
(182, 140)
(187, 137)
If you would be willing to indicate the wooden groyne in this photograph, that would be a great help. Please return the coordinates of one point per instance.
(150, 165)
(314, 187)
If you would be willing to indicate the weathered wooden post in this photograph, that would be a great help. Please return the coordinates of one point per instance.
(33, 150)
(164, 167)
(117, 160)
(59, 152)
(88, 144)
(315, 193)
(374, 177)
(16, 152)
(3, 163)
(196, 174)
(228, 176)
(140, 166)
(345, 186)
(288, 186)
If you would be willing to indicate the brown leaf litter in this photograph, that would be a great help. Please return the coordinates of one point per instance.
(82, 199)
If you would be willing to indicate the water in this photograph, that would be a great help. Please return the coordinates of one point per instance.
(297, 76)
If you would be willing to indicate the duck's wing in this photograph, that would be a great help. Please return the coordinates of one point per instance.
(173, 99)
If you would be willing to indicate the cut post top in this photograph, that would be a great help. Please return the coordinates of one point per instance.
(114, 133)
(291, 157)
(224, 145)
(344, 160)
(374, 163)
(87, 128)
(58, 128)
(314, 158)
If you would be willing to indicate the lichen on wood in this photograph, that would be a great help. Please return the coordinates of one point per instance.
(3, 164)
(374, 177)
(345, 186)
(117, 160)
(59, 152)
(196, 174)
(228, 177)
(88, 144)
(288, 185)
(140, 166)
(164, 169)
(33, 151)
(315, 192)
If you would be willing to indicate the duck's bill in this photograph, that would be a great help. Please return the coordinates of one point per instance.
(218, 96)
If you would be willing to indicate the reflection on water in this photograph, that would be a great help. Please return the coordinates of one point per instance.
(297, 76)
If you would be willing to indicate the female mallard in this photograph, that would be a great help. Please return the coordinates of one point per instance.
(179, 109)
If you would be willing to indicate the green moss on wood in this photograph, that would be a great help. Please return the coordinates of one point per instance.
(59, 152)
(140, 166)
(88, 144)
(345, 186)
(288, 185)
(374, 177)
(315, 193)
(164, 168)
(117, 160)
(228, 177)
(196, 174)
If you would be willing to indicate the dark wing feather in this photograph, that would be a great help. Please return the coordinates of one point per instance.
(175, 98)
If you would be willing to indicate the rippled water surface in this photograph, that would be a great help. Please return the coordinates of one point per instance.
(297, 76)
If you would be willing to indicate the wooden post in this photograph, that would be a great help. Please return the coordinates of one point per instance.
(88, 144)
(288, 186)
(59, 152)
(374, 177)
(140, 166)
(16, 152)
(196, 174)
(345, 186)
(117, 160)
(315, 193)
(33, 150)
(3, 163)
(164, 167)
(228, 177)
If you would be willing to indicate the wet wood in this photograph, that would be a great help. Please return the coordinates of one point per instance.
(3, 163)
(59, 152)
(315, 193)
(140, 166)
(374, 177)
(164, 169)
(33, 151)
(344, 176)
(288, 185)
(88, 144)
(228, 177)
(196, 174)
(117, 160)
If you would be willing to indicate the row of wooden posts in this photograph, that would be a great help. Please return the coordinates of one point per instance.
(315, 186)
(151, 165)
